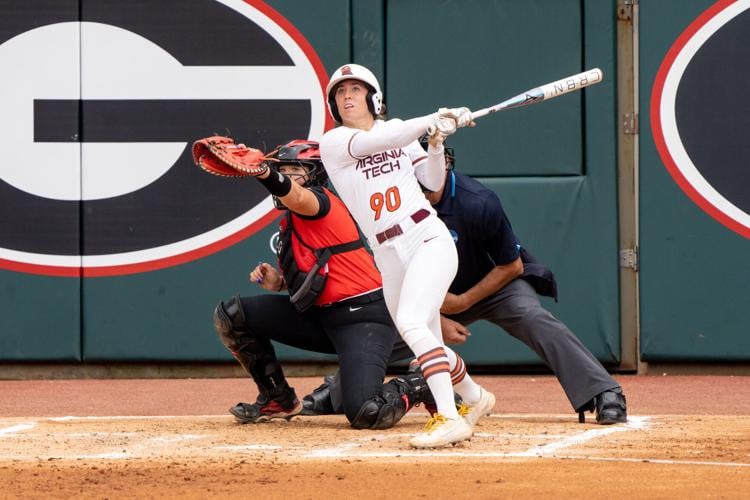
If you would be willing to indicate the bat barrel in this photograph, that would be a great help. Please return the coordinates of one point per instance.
(546, 91)
(572, 83)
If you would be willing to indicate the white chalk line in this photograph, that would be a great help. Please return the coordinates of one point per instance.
(549, 449)
(546, 450)
(249, 447)
(348, 450)
(17, 428)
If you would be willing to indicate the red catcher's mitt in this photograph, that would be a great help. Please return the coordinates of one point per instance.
(219, 155)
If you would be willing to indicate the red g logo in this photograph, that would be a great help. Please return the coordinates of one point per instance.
(699, 113)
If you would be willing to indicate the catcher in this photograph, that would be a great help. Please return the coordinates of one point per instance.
(335, 303)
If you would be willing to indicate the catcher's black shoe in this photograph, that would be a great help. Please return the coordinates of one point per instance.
(610, 406)
(265, 409)
(318, 402)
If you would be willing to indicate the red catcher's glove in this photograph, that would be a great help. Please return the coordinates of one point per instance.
(219, 155)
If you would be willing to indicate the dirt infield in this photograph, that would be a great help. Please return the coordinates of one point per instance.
(688, 437)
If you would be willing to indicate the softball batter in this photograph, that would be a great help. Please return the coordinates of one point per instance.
(375, 166)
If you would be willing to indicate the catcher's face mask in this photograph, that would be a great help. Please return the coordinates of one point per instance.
(299, 160)
(298, 172)
(305, 154)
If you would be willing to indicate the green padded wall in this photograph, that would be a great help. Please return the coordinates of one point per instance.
(476, 53)
(694, 274)
(40, 318)
(553, 164)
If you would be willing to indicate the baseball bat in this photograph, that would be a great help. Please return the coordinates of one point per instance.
(545, 92)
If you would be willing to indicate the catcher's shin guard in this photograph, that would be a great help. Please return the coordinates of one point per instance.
(256, 355)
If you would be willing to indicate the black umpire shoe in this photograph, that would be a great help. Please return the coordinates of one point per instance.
(610, 406)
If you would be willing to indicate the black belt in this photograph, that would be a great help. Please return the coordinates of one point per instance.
(359, 300)
(394, 231)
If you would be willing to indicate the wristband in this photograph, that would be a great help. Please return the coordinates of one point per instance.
(277, 183)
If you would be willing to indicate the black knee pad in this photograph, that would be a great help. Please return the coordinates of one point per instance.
(229, 322)
(381, 412)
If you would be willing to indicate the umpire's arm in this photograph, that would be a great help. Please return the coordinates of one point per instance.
(493, 281)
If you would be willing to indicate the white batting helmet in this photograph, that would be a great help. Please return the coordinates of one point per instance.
(355, 72)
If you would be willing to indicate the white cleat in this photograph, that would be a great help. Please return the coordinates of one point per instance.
(441, 431)
(472, 413)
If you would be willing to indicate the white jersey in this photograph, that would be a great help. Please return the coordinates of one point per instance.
(380, 190)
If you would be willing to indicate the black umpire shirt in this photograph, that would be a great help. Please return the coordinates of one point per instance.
(482, 232)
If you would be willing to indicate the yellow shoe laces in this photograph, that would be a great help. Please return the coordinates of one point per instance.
(433, 423)
(463, 410)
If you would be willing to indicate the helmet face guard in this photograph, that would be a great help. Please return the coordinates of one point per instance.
(301, 153)
(355, 72)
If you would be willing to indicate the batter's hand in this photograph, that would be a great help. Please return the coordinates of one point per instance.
(453, 331)
(267, 277)
(436, 140)
(461, 115)
(442, 123)
(454, 304)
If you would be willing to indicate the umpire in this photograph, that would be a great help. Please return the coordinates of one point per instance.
(498, 280)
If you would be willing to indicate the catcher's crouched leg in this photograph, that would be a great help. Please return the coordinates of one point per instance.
(256, 354)
(249, 350)
(229, 323)
(395, 399)
(258, 358)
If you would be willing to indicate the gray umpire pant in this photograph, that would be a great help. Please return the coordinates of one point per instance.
(517, 310)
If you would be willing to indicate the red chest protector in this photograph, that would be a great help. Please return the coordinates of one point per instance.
(306, 286)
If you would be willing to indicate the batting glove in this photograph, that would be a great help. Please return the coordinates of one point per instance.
(444, 125)
(461, 115)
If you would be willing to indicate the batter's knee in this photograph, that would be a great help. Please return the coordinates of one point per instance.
(412, 335)
(405, 322)
(229, 322)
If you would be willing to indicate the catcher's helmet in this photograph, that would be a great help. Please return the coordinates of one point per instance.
(355, 72)
(303, 153)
